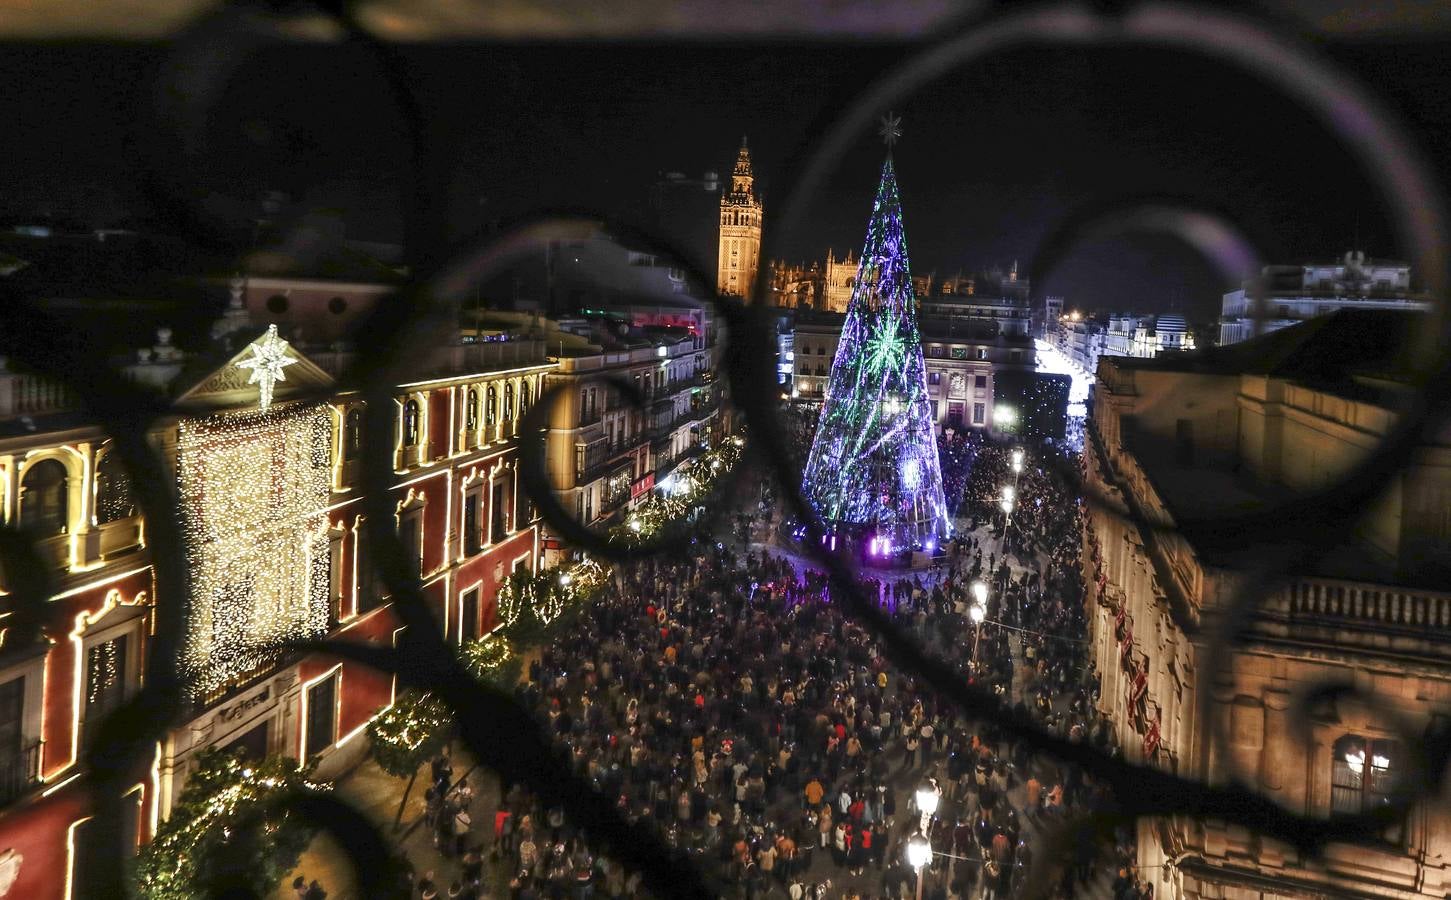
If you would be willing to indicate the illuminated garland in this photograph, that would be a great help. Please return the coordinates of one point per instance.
(408, 733)
(253, 489)
(873, 460)
(546, 596)
(486, 655)
(691, 487)
(219, 793)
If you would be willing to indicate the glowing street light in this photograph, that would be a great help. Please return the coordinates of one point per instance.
(1017, 461)
(979, 592)
(927, 797)
(1005, 415)
(977, 613)
(919, 853)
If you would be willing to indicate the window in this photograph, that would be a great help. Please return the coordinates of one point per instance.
(979, 381)
(959, 353)
(353, 434)
(522, 513)
(934, 377)
(410, 423)
(277, 304)
(936, 408)
(936, 351)
(498, 510)
(409, 534)
(113, 491)
(524, 399)
(1363, 773)
(106, 677)
(15, 763)
(45, 498)
(367, 576)
(322, 715)
(337, 306)
(508, 402)
(1015, 356)
(978, 411)
(471, 410)
(473, 531)
(491, 406)
(821, 351)
(468, 622)
(982, 353)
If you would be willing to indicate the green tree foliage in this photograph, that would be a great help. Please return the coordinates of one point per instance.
(199, 844)
(409, 733)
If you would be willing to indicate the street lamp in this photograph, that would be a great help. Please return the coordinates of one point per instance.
(919, 853)
(927, 797)
(1018, 461)
(977, 613)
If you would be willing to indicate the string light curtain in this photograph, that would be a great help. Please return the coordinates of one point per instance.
(873, 462)
(253, 489)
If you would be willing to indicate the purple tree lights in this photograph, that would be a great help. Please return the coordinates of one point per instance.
(873, 469)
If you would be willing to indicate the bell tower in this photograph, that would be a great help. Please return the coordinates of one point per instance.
(740, 231)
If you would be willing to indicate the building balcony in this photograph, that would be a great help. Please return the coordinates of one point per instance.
(19, 772)
(26, 394)
(1374, 617)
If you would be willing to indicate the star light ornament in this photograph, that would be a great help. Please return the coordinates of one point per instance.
(269, 358)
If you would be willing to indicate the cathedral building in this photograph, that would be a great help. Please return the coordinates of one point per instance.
(740, 232)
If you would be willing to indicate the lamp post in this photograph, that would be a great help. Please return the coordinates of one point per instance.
(919, 852)
(977, 612)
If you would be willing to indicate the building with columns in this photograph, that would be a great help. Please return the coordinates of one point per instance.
(740, 231)
(1187, 437)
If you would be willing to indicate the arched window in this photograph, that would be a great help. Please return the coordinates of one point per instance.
(471, 410)
(491, 406)
(45, 498)
(410, 423)
(508, 402)
(523, 399)
(113, 491)
(353, 434)
(1363, 773)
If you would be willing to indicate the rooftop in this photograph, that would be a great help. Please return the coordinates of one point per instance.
(1355, 353)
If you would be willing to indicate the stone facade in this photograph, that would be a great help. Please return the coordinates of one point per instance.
(1168, 439)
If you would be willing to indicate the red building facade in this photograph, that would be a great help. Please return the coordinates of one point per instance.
(271, 498)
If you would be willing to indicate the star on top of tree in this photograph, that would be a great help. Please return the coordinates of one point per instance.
(269, 358)
(891, 129)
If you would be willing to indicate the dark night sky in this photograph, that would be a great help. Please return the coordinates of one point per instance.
(990, 161)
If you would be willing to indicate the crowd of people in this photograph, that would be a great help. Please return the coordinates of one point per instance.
(726, 699)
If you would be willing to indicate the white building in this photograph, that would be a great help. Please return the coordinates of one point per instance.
(1295, 293)
(1145, 336)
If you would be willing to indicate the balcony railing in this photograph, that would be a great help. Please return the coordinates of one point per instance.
(19, 772)
(1426, 613)
(25, 394)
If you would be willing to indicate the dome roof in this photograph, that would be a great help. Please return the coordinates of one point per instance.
(1172, 324)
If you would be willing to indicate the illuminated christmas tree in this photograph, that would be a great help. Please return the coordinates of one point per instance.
(873, 471)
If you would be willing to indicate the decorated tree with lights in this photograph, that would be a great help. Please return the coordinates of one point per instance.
(873, 466)
(225, 829)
